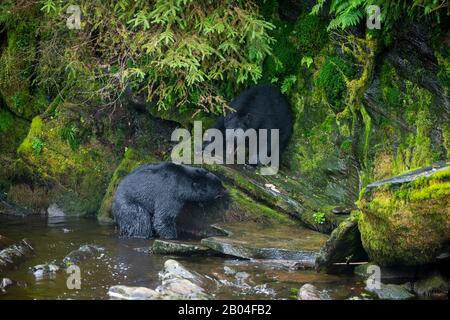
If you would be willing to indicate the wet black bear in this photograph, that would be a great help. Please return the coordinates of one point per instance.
(149, 199)
(260, 107)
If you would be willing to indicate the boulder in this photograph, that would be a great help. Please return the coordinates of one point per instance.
(15, 254)
(82, 253)
(433, 285)
(5, 283)
(391, 292)
(177, 283)
(406, 219)
(132, 293)
(180, 249)
(310, 292)
(343, 246)
(268, 242)
(42, 271)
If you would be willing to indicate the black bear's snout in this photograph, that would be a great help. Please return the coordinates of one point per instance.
(223, 192)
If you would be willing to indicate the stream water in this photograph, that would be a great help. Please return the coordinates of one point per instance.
(124, 262)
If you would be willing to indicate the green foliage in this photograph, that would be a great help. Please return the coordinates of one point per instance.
(37, 145)
(285, 56)
(331, 81)
(288, 82)
(310, 34)
(70, 135)
(179, 52)
(48, 6)
(308, 61)
(6, 120)
(319, 217)
(349, 13)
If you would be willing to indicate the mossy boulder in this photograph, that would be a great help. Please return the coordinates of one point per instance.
(406, 219)
(70, 170)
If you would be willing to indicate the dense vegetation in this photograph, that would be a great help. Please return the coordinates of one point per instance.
(368, 104)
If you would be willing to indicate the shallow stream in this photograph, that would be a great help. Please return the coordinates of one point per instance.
(129, 262)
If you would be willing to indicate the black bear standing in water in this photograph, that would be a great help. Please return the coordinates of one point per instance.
(260, 107)
(149, 199)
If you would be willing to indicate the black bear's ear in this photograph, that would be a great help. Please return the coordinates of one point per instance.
(248, 119)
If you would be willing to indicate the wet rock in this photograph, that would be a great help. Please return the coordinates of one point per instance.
(42, 271)
(55, 211)
(177, 283)
(291, 265)
(404, 219)
(83, 253)
(343, 210)
(146, 250)
(5, 283)
(432, 285)
(253, 241)
(310, 292)
(391, 292)
(343, 246)
(174, 270)
(133, 293)
(180, 249)
(15, 254)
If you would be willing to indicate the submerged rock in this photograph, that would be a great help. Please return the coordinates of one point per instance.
(55, 211)
(5, 283)
(132, 293)
(282, 242)
(391, 292)
(47, 270)
(177, 283)
(15, 254)
(83, 253)
(343, 246)
(310, 292)
(433, 285)
(405, 219)
(180, 249)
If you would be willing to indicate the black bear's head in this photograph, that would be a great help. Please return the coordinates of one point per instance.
(237, 120)
(204, 186)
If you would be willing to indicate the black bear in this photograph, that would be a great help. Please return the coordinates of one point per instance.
(259, 107)
(149, 199)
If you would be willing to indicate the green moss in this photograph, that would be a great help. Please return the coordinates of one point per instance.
(310, 34)
(331, 81)
(17, 67)
(76, 179)
(285, 57)
(34, 133)
(251, 209)
(407, 225)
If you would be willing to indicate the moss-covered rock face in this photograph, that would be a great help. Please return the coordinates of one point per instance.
(406, 220)
(62, 166)
(17, 67)
(12, 131)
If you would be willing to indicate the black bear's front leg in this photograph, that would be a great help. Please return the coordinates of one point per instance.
(133, 220)
(164, 219)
